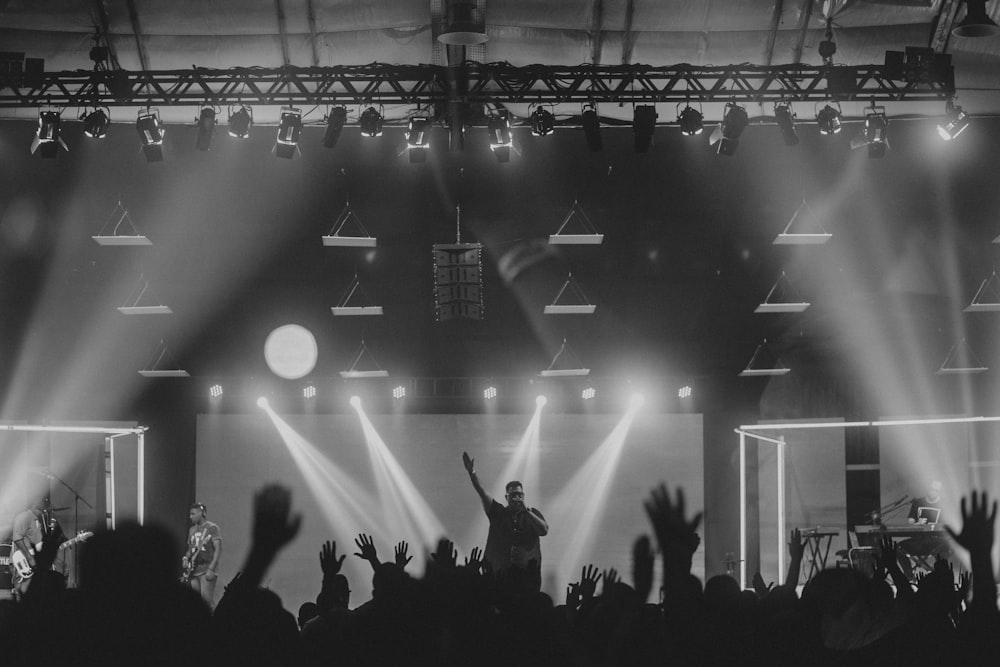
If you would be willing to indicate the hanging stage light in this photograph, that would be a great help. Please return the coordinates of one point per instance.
(96, 124)
(371, 123)
(643, 127)
(334, 124)
(828, 120)
(206, 128)
(785, 118)
(954, 123)
(240, 121)
(48, 136)
(977, 23)
(289, 129)
(690, 120)
(150, 134)
(500, 140)
(592, 127)
(874, 133)
(543, 123)
(418, 138)
(734, 122)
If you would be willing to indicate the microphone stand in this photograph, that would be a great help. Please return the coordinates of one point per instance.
(77, 499)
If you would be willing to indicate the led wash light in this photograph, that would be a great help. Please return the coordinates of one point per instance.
(151, 133)
(733, 124)
(96, 124)
(690, 120)
(334, 125)
(954, 123)
(240, 121)
(418, 138)
(500, 140)
(785, 118)
(828, 120)
(48, 136)
(289, 129)
(543, 123)
(370, 122)
(206, 129)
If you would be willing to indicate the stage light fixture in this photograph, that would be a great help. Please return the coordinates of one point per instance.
(418, 138)
(96, 124)
(785, 117)
(48, 136)
(490, 393)
(690, 120)
(206, 129)
(370, 122)
(954, 123)
(399, 392)
(335, 121)
(684, 392)
(829, 120)
(309, 391)
(977, 22)
(734, 122)
(540, 401)
(355, 402)
(240, 121)
(262, 403)
(500, 140)
(874, 133)
(543, 123)
(643, 127)
(150, 134)
(636, 401)
(591, 122)
(289, 129)
(588, 393)
(215, 391)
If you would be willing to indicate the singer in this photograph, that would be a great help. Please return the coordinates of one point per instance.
(514, 530)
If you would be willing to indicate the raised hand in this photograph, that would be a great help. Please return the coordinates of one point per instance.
(475, 559)
(589, 576)
(977, 525)
(328, 561)
(273, 525)
(573, 596)
(469, 463)
(642, 566)
(445, 555)
(676, 535)
(366, 549)
(401, 558)
(796, 547)
(610, 578)
(759, 586)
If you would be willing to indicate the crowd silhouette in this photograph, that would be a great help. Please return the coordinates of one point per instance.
(131, 609)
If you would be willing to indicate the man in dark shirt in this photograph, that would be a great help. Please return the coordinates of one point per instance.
(514, 528)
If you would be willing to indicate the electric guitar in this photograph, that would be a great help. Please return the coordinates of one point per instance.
(189, 558)
(23, 567)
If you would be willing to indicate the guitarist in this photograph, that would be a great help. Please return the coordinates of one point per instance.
(204, 546)
(30, 527)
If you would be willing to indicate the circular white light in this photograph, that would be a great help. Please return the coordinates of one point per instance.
(540, 401)
(262, 403)
(290, 351)
(636, 401)
(355, 401)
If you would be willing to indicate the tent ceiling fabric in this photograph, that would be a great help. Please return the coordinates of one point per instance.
(246, 33)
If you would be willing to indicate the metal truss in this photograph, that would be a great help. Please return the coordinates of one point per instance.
(494, 83)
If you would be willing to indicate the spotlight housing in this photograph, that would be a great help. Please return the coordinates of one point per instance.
(829, 120)
(150, 134)
(289, 129)
(335, 121)
(240, 121)
(418, 138)
(734, 122)
(954, 123)
(643, 127)
(96, 124)
(206, 128)
(262, 403)
(500, 140)
(690, 120)
(543, 123)
(977, 22)
(874, 133)
(48, 136)
(785, 117)
(371, 122)
(355, 402)
(591, 122)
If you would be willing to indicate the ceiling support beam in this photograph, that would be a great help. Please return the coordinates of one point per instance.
(492, 83)
(596, 31)
(944, 23)
(313, 35)
(133, 15)
(628, 39)
(800, 44)
(772, 35)
(279, 7)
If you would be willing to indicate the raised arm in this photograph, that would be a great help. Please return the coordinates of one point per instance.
(470, 467)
